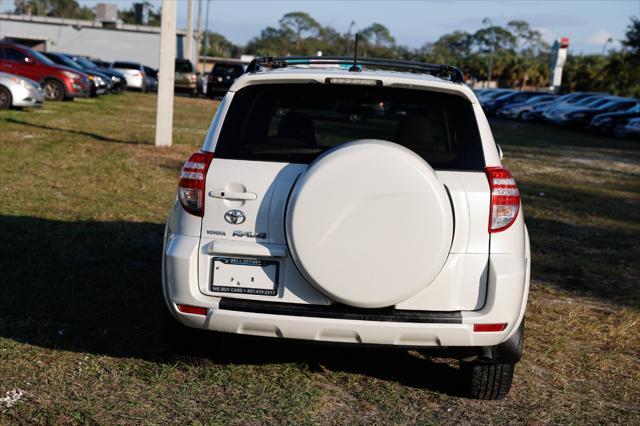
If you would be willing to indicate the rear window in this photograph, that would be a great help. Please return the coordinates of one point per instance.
(183, 66)
(297, 122)
(228, 69)
(126, 65)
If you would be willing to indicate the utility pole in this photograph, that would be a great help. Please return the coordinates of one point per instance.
(487, 21)
(164, 110)
(198, 35)
(188, 46)
(206, 35)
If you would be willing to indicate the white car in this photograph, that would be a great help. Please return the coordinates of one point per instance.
(353, 206)
(137, 75)
(19, 92)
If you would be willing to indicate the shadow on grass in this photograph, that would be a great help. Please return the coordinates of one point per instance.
(94, 287)
(91, 135)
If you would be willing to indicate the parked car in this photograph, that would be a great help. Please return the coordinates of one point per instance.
(537, 112)
(287, 225)
(118, 81)
(16, 91)
(491, 106)
(519, 109)
(632, 128)
(58, 82)
(222, 76)
(186, 79)
(100, 63)
(553, 113)
(610, 121)
(488, 94)
(100, 83)
(135, 75)
(582, 115)
(152, 76)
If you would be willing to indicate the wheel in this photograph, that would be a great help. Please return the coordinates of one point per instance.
(521, 116)
(143, 88)
(487, 381)
(620, 131)
(53, 90)
(5, 98)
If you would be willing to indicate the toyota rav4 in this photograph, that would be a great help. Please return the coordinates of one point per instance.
(359, 203)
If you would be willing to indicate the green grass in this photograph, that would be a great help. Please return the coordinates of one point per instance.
(83, 198)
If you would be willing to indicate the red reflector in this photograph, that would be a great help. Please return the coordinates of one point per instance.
(196, 310)
(489, 327)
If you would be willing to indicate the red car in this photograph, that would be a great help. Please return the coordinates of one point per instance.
(58, 82)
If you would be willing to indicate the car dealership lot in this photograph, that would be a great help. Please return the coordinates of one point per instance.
(84, 198)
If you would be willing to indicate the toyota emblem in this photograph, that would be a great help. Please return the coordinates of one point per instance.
(234, 217)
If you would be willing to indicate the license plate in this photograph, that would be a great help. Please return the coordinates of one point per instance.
(244, 276)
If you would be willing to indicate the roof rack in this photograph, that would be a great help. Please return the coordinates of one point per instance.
(445, 72)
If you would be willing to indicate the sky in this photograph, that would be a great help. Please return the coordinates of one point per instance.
(587, 23)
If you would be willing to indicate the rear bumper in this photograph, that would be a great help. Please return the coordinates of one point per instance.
(507, 291)
(181, 85)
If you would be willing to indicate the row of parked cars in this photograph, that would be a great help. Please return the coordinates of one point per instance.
(598, 112)
(29, 77)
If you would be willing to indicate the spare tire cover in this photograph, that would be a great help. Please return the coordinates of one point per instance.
(369, 224)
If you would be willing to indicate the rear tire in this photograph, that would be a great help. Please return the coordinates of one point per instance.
(487, 381)
(619, 131)
(53, 90)
(188, 345)
(5, 98)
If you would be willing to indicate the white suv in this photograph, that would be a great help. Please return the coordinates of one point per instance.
(362, 206)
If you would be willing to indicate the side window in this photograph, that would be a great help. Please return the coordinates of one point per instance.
(624, 106)
(14, 55)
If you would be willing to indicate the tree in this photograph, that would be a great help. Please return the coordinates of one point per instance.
(128, 16)
(218, 45)
(58, 8)
(299, 24)
(379, 34)
(632, 41)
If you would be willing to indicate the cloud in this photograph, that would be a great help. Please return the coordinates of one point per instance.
(599, 38)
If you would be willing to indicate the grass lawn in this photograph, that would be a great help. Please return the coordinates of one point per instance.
(83, 198)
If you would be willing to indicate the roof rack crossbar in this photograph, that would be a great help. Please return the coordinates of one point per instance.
(442, 71)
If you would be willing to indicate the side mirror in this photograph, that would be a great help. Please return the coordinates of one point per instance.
(500, 153)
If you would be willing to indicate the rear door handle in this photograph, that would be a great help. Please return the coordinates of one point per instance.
(234, 196)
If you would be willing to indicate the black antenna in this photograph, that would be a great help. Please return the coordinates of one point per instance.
(354, 67)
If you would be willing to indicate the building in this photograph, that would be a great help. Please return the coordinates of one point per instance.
(109, 40)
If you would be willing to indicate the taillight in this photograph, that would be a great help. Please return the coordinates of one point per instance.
(505, 199)
(192, 182)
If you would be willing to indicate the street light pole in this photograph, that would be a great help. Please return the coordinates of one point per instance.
(487, 21)
(188, 46)
(349, 36)
(604, 47)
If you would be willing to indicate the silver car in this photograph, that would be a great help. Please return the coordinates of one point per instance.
(19, 92)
